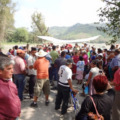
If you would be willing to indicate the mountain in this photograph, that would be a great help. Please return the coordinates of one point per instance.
(78, 31)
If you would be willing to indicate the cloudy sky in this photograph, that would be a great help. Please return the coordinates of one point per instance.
(57, 12)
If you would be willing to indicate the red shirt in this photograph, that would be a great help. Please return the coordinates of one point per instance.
(117, 79)
(10, 105)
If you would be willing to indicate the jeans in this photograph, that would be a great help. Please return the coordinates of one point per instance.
(20, 83)
(53, 73)
(63, 94)
(32, 84)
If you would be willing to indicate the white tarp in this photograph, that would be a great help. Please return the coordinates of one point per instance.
(67, 41)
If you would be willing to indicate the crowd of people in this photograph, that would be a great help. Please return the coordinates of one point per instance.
(47, 63)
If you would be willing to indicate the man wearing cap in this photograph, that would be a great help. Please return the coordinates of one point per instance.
(64, 86)
(41, 65)
(19, 72)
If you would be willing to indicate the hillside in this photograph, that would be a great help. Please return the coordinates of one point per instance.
(78, 31)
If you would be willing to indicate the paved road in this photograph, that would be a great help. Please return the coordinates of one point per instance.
(47, 112)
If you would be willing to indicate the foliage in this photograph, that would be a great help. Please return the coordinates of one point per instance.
(38, 25)
(78, 31)
(18, 35)
(7, 10)
(111, 15)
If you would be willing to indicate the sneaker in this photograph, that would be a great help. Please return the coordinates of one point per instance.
(47, 103)
(33, 105)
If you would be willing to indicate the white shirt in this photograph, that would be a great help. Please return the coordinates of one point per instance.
(95, 72)
(31, 61)
(65, 74)
(80, 65)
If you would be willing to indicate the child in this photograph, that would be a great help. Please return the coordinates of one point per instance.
(80, 69)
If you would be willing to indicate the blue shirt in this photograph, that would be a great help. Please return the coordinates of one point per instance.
(115, 61)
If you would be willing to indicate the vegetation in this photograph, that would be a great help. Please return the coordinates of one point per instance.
(78, 31)
(7, 10)
(111, 15)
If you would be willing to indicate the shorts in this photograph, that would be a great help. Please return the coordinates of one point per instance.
(42, 85)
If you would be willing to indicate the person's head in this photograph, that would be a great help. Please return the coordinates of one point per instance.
(6, 67)
(93, 63)
(33, 51)
(76, 52)
(99, 57)
(54, 47)
(100, 83)
(9, 50)
(21, 53)
(116, 52)
(99, 50)
(69, 62)
(93, 53)
(85, 44)
(112, 47)
(16, 47)
(63, 54)
(105, 50)
(81, 58)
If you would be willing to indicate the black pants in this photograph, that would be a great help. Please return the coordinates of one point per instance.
(32, 84)
(63, 94)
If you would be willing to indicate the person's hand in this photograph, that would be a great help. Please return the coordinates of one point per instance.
(31, 67)
(87, 83)
(74, 90)
(109, 86)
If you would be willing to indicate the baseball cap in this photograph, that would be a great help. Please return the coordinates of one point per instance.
(70, 61)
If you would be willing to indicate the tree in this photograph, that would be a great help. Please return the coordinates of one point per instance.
(7, 10)
(38, 25)
(110, 15)
(21, 35)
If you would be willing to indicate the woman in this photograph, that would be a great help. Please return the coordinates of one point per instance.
(75, 59)
(93, 72)
(116, 105)
(80, 68)
(103, 101)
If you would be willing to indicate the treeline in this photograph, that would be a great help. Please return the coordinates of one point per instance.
(9, 33)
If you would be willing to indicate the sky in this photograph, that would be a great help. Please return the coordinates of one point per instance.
(57, 12)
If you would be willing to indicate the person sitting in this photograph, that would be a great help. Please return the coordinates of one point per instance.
(103, 101)
(10, 105)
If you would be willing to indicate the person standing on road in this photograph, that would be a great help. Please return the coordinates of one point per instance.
(19, 72)
(41, 65)
(64, 86)
(32, 72)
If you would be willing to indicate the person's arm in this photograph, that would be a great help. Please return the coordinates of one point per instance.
(71, 87)
(111, 92)
(85, 109)
(89, 78)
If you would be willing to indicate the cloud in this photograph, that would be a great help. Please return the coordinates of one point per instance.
(68, 12)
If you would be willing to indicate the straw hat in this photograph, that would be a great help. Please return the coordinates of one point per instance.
(41, 53)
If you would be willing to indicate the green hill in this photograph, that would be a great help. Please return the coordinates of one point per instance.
(78, 31)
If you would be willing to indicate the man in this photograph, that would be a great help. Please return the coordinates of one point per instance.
(59, 62)
(42, 82)
(10, 105)
(115, 63)
(64, 86)
(15, 51)
(32, 72)
(53, 70)
(19, 72)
